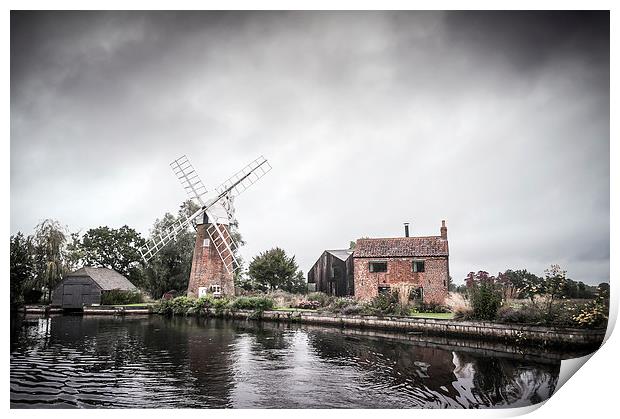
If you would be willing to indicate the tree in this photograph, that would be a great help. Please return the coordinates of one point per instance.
(239, 279)
(297, 284)
(50, 253)
(555, 282)
(522, 281)
(110, 248)
(274, 270)
(21, 267)
(484, 294)
(170, 268)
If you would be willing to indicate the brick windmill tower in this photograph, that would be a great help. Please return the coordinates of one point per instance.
(214, 262)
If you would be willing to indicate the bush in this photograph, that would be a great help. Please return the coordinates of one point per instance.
(431, 307)
(485, 300)
(200, 307)
(120, 297)
(323, 299)
(456, 302)
(181, 306)
(164, 307)
(513, 315)
(594, 314)
(32, 296)
(351, 310)
(285, 299)
(253, 303)
(385, 304)
(308, 305)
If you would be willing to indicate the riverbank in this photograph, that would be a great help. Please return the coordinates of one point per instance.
(513, 334)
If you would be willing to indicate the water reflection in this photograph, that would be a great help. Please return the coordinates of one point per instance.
(74, 361)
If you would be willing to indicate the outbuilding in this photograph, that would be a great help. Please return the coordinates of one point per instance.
(86, 285)
(333, 273)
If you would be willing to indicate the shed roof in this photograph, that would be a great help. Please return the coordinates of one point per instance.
(107, 279)
(401, 247)
(342, 254)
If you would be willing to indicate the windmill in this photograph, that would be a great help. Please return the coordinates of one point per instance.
(213, 262)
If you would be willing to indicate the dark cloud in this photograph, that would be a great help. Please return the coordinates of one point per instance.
(495, 121)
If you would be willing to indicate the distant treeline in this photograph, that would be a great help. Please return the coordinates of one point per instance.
(523, 283)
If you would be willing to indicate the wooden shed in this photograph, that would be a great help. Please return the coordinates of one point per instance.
(85, 286)
(333, 273)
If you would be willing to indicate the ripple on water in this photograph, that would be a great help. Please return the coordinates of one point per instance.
(107, 362)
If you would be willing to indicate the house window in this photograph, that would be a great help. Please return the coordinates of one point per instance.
(416, 294)
(377, 266)
(418, 266)
(335, 272)
(205, 243)
(384, 289)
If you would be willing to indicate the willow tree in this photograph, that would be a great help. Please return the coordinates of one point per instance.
(49, 241)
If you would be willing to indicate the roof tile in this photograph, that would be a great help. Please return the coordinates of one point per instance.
(401, 247)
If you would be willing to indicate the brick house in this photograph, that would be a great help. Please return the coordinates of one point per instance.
(417, 267)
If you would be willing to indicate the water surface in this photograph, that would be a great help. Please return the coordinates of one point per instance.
(156, 362)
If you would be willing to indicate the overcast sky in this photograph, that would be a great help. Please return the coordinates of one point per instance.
(496, 122)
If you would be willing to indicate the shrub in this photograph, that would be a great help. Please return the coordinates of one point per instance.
(385, 304)
(457, 302)
(285, 299)
(118, 297)
(220, 304)
(513, 315)
(181, 306)
(431, 307)
(253, 303)
(463, 313)
(164, 307)
(484, 296)
(323, 299)
(32, 296)
(308, 305)
(200, 307)
(351, 310)
(594, 314)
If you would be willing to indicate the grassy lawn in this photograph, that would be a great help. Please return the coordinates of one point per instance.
(442, 316)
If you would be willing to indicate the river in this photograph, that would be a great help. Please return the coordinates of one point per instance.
(70, 361)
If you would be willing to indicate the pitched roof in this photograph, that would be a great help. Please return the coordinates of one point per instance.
(401, 247)
(342, 254)
(107, 279)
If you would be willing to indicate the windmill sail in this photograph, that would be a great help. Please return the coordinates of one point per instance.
(217, 230)
(185, 172)
(244, 178)
(221, 239)
(159, 241)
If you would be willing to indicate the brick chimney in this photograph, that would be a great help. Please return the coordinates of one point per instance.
(406, 229)
(444, 230)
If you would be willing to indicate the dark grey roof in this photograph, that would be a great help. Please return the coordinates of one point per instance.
(107, 279)
(342, 254)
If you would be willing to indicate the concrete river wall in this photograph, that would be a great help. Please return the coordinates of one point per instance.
(511, 333)
(515, 333)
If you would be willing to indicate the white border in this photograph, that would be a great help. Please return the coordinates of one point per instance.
(591, 394)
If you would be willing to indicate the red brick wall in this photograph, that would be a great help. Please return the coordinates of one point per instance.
(207, 266)
(400, 276)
